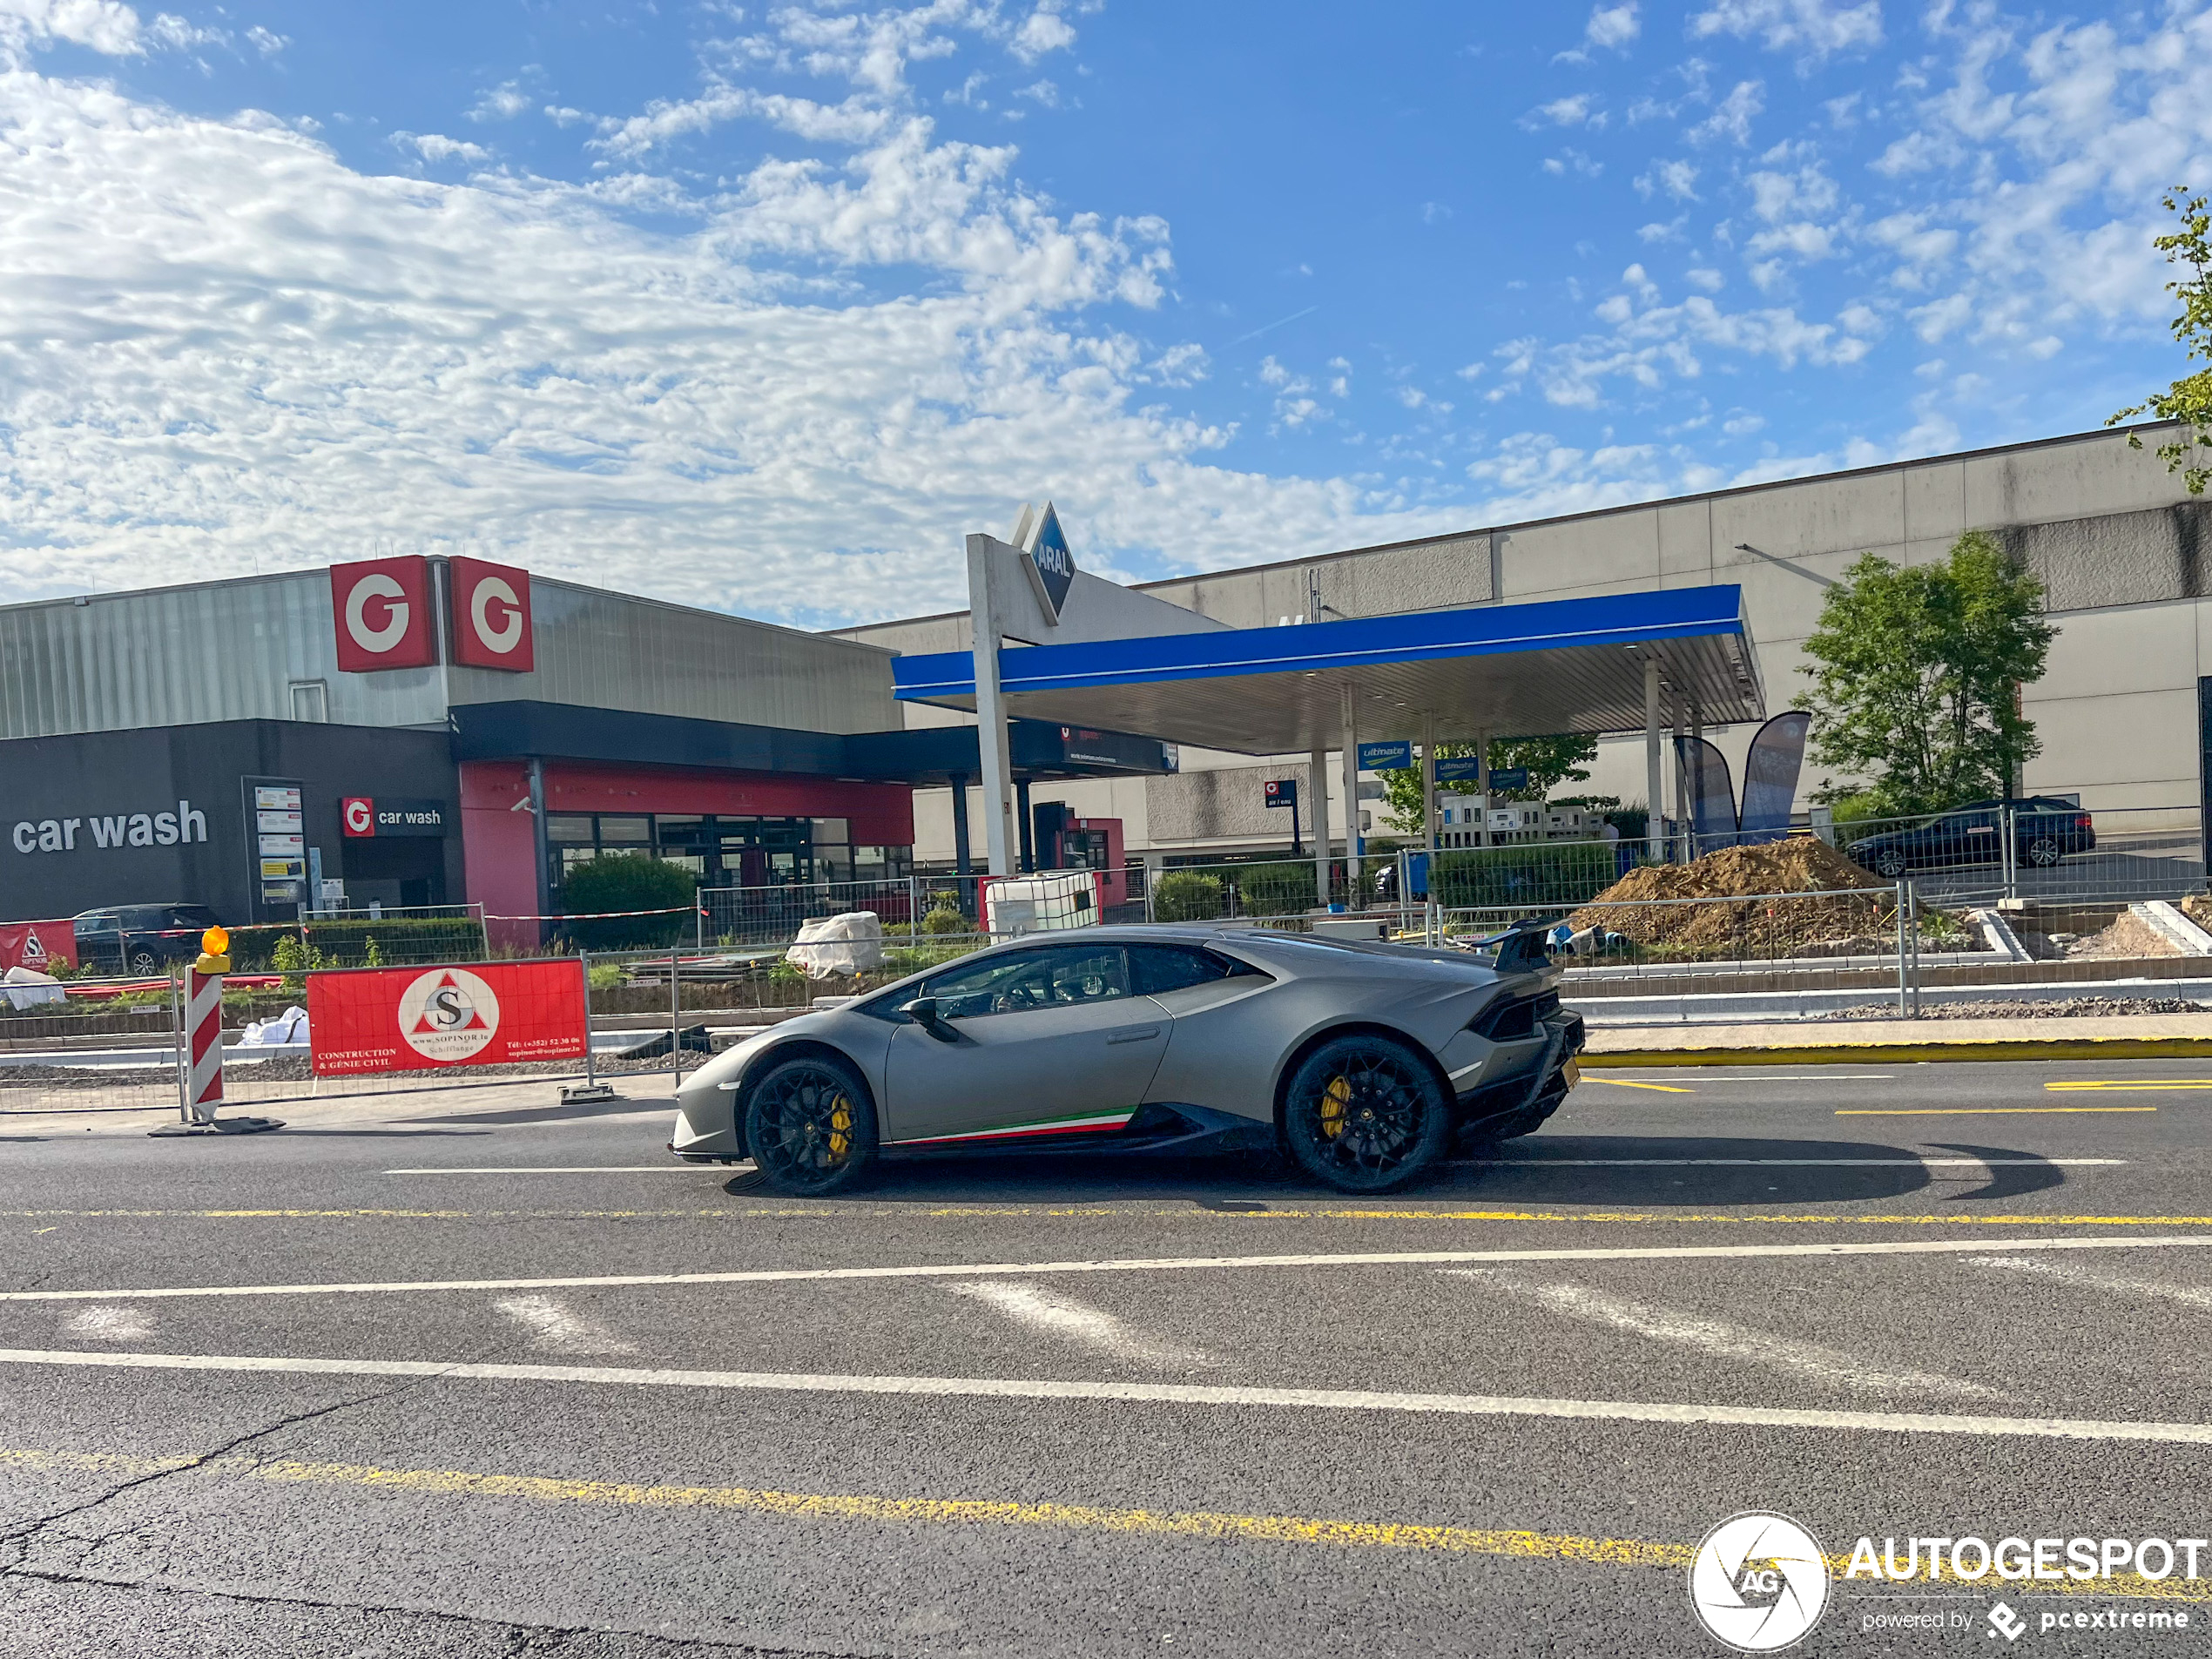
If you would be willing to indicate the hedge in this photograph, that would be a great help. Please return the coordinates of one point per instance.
(629, 881)
(344, 942)
(1274, 889)
(1540, 874)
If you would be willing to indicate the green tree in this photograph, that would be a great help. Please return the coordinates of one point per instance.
(1914, 673)
(2188, 399)
(1551, 761)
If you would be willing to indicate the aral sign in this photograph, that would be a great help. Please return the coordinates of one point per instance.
(96, 831)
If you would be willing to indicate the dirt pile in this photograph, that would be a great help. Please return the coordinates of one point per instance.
(1762, 925)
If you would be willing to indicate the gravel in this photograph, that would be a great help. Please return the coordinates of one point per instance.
(2049, 1008)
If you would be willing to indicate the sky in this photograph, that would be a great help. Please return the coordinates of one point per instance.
(761, 308)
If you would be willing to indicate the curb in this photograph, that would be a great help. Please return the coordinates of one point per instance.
(1907, 1053)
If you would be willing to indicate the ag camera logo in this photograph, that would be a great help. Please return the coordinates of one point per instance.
(1759, 1582)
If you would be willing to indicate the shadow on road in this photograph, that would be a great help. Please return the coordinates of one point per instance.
(1626, 1171)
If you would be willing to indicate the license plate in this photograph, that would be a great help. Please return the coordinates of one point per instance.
(1572, 1072)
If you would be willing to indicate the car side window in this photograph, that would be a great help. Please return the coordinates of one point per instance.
(1028, 980)
(1156, 968)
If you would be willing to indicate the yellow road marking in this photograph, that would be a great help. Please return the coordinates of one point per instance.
(1202, 1524)
(1977, 1111)
(1623, 1082)
(2133, 1088)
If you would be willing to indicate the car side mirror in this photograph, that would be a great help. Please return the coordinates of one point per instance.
(923, 1012)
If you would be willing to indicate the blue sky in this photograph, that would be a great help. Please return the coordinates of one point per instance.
(760, 307)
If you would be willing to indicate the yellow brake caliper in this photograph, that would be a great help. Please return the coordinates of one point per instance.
(840, 1128)
(1336, 1099)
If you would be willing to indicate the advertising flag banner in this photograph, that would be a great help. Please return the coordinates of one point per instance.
(416, 1018)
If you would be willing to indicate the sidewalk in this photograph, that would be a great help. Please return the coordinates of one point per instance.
(2104, 1037)
(524, 1100)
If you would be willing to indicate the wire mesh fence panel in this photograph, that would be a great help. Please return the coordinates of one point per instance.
(2042, 850)
(88, 1044)
(768, 915)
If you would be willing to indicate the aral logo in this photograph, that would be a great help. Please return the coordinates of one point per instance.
(1052, 567)
(449, 1014)
(1759, 1582)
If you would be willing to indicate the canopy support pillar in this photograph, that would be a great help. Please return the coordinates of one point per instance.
(1317, 774)
(991, 708)
(1654, 779)
(1348, 734)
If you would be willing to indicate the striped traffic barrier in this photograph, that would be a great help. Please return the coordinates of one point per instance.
(199, 1041)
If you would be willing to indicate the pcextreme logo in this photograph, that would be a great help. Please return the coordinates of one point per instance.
(1759, 1582)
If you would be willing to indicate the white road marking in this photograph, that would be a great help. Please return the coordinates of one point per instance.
(1143, 1264)
(2062, 1428)
(572, 1168)
(1779, 1163)
(106, 1324)
(1087, 1327)
(557, 1329)
(1725, 1341)
(2194, 1296)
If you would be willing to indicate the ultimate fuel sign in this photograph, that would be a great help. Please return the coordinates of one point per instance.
(414, 1019)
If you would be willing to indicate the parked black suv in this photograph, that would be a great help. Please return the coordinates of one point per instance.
(140, 938)
(2045, 829)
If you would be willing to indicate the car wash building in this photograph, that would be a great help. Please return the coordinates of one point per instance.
(424, 731)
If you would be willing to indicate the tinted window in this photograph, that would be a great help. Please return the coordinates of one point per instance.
(1028, 980)
(1155, 969)
(192, 915)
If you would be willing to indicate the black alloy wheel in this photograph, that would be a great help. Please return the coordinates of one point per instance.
(142, 961)
(810, 1127)
(2043, 852)
(1364, 1113)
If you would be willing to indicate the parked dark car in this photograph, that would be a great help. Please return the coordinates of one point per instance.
(2045, 829)
(140, 938)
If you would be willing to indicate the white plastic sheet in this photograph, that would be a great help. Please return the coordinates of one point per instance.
(26, 988)
(851, 943)
(291, 1026)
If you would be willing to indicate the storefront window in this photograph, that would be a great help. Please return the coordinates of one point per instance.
(568, 828)
(625, 832)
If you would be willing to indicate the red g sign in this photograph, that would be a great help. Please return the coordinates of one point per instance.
(357, 815)
(491, 616)
(382, 610)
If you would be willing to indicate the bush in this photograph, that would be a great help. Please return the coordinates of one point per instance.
(345, 943)
(1275, 889)
(1185, 895)
(1537, 873)
(946, 922)
(629, 881)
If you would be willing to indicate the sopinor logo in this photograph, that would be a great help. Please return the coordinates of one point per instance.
(491, 616)
(447, 1014)
(1759, 1582)
(381, 609)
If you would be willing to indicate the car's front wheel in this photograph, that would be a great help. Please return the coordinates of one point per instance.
(1889, 862)
(810, 1127)
(144, 961)
(1363, 1114)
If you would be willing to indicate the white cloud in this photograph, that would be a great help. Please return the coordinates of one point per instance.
(267, 42)
(1731, 117)
(502, 102)
(435, 146)
(1042, 31)
(1704, 277)
(1562, 111)
(1612, 26)
(225, 348)
(1678, 178)
(1812, 28)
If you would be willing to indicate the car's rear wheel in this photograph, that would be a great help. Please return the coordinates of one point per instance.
(1363, 1114)
(810, 1127)
(2043, 852)
(144, 961)
(1889, 862)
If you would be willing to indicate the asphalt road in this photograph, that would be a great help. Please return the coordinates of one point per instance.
(1066, 1407)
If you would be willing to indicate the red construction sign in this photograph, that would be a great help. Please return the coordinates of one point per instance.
(411, 1018)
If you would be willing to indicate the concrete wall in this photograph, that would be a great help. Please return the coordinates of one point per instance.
(2123, 548)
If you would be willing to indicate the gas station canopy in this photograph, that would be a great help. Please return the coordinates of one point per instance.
(1509, 671)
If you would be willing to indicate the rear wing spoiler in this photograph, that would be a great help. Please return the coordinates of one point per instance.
(1520, 948)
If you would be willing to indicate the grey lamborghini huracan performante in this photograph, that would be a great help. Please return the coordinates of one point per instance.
(1361, 1062)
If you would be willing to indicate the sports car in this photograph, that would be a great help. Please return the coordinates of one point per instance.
(1360, 1061)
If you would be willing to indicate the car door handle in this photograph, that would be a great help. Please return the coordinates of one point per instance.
(1133, 1034)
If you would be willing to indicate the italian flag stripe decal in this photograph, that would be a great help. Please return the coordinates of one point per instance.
(1082, 1124)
